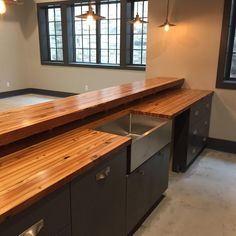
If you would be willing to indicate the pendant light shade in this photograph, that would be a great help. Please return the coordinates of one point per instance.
(3, 3)
(166, 25)
(90, 15)
(3, 8)
(137, 20)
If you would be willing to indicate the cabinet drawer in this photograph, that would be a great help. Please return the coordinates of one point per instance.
(200, 110)
(145, 186)
(50, 216)
(98, 199)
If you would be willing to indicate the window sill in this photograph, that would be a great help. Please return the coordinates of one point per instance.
(101, 66)
(226, 84)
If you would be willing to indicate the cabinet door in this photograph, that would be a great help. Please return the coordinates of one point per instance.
(98, 199)
(145, 186)
(50, 216)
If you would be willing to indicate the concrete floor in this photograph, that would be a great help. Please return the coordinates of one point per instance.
(23, 100)
(201, 202)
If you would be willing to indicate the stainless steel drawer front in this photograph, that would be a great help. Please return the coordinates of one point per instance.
(144, 148)
(34, 229)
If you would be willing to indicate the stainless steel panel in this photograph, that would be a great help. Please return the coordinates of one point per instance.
(149, 135)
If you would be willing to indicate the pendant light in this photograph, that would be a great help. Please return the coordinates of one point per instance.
(138, 20)
(90, 15)
(167, 24)
(3, 3)
(3, 8)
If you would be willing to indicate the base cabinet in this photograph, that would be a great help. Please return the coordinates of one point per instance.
(48, 217)
(191, 130)
(145, 186)
(98, 199)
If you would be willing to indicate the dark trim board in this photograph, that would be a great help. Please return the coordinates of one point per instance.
(222, 145)
(35, 91)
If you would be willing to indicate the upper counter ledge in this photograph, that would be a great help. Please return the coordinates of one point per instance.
(26, 121)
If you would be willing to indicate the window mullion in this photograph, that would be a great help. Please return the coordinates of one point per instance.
(64, 33)
(98, 34)
(123, 33)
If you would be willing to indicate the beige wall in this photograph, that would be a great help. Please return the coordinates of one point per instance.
(12, 43)
(71, 79)
(190, 50)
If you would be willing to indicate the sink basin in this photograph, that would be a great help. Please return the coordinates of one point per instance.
(149, 135)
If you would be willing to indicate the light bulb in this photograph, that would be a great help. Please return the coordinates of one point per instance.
(90, 19)
(2, 7)
(167, 27)
(137, 23)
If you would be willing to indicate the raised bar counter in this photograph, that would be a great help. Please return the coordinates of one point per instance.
(27, 121)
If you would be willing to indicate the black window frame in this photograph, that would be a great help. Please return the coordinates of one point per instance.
(126, 43)
(224, 80)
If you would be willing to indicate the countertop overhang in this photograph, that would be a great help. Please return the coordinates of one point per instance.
(26, 121)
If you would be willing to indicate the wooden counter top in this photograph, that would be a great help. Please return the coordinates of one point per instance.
(26, 121)
(32, 173)
(171, 103)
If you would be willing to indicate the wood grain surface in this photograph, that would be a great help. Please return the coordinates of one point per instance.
(26, 121)
(170, 104)
(32, 173)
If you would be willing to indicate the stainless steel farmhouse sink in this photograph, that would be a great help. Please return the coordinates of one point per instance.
(149, 135)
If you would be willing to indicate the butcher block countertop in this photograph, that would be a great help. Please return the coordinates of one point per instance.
(30, 174)
(171, 103)
(24, 122)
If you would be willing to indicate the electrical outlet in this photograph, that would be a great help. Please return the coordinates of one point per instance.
(86, 87)
(8, 84)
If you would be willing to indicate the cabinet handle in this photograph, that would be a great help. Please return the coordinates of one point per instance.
(194, 151)
(206, 122)
(103, 174)
(204, 139)
(196, 113)
(141, 172)
(195, 132)
(34, 229)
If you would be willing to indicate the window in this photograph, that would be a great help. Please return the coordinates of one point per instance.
(55, 34)
(140, 34)
(226, 77)
(111, 42)
(84, 37)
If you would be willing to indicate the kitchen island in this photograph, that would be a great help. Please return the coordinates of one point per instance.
(80, 159)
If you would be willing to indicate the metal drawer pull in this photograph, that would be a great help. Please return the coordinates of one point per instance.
(103, 174)
(195, 132)
(141, 172)
(206, 123)
(196, 113)
(204, 139)
(33, 230)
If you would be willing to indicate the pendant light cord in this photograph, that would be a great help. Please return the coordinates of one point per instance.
(167, 11)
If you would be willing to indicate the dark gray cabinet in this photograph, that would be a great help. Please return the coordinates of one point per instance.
(98, 199)
(49, 217)
(191, 129)
(145, 186)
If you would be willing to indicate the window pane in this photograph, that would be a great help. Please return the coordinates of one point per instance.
(140, 33)
(55, 34)
(84, 36)
(233, 67)
(104, 56)
(137, 57)
(110, 33)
